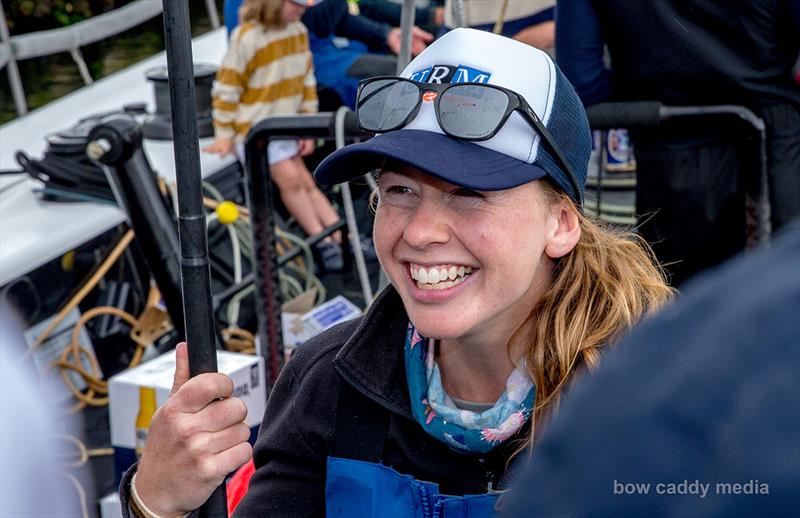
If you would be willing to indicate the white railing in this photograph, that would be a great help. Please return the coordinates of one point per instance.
(72, 38)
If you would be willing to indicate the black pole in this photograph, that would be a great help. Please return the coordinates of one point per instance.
(195, 273)
(117, 144)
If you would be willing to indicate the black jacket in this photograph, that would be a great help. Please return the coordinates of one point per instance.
(682, 51)
(333, 18)
(295, 437)
(702, 51)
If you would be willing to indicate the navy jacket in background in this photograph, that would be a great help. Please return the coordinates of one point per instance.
(681, 52)
(707, 392)
(390, 12)
(330, 18)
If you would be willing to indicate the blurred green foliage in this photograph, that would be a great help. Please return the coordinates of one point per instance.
(35, 15)
(50, 77)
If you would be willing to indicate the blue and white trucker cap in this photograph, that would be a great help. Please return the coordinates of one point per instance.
(515, 155)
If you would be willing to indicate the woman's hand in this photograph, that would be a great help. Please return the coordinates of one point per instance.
(221, 146)
(419, 40)
(196, 438)
(306, 146)
(541, 35)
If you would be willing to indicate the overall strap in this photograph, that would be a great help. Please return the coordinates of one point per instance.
(360, 427)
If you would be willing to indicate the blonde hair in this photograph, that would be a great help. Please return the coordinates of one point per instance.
(605, 285)
(268, 13)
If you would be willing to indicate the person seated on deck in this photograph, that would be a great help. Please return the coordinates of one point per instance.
(340, 39)
(502, 291)
(268, 71)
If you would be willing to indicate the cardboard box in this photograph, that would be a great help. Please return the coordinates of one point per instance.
(299, 327)
(246, 371)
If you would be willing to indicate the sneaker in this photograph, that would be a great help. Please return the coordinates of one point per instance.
(331, 254)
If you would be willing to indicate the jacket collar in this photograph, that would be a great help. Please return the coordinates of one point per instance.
(372, 358)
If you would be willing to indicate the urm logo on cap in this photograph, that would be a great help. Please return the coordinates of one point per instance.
(450, 74)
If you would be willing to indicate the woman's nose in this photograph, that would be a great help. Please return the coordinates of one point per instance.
(427, 224)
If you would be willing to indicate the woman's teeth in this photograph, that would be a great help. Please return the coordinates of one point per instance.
(439, 277)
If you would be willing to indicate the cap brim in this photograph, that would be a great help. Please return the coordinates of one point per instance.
(461, 163)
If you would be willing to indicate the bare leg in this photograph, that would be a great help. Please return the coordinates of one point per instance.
(291, 184)
(322, 206)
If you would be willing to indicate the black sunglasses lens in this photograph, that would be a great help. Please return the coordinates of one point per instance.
(471, 111)
(384, 104)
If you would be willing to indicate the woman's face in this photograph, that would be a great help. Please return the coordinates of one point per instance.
(466, 263)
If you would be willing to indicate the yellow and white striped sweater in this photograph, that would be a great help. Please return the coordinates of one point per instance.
(265, 72)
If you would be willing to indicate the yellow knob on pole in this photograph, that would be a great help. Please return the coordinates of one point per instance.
(227, 212)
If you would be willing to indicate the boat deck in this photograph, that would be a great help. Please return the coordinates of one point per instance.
(33, 231)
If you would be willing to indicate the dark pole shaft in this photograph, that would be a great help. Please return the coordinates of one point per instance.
(195, 273)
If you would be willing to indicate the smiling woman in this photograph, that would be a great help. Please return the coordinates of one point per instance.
(501, 292)
(430, 226)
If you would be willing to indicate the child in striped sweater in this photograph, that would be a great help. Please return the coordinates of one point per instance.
(268, 71)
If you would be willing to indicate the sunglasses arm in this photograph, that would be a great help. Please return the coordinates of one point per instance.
(544, 135)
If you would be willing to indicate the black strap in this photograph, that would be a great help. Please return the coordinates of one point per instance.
(360, 427)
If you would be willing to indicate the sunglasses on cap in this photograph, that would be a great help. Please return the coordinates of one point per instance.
(466, 111)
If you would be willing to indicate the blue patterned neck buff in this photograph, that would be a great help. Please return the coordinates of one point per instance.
(464, 431)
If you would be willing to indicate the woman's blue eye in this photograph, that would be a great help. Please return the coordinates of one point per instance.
(399, 196)
(399, 189)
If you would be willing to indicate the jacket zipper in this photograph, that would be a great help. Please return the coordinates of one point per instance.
(425, 500)
(385, 404)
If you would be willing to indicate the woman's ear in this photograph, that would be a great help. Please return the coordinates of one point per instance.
(566, 230)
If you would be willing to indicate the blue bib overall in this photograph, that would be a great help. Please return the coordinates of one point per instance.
(367, 489)
(358, 484)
